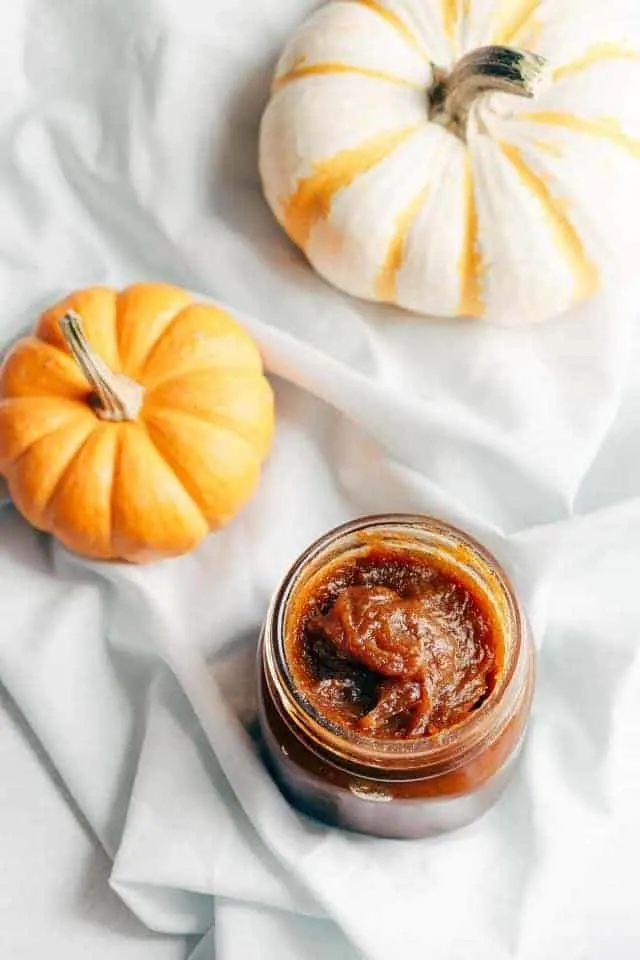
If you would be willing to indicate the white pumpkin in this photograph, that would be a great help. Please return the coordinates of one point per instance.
(460, 157)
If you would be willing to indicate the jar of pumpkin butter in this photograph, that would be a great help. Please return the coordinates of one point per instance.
(396, 673)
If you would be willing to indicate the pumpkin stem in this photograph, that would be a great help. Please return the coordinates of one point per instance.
(117, 396)
(486, 70)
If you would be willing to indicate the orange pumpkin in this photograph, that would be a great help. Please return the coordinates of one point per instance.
(133, 423)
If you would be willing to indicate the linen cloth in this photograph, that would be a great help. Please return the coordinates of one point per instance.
(54, 897)
(129, 135)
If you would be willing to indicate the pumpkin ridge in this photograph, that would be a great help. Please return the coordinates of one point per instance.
(387, 279)
(47, 344)
(172, 469)
(117, 456)
(74, 453)
(596, 53)
(218, 420)
(565, 234)
(311, 201)
(171, 412)
(231, 330)
(397, 23)
(88, 495)
(83, 302)
(553, 149)
(154, 343)
(49, 501)
(604, 128)
(158, 384)
(43, 436)
(19, 352)
(333, 69)
(132, 544)
(470, 267)
(153, 346)
(181, 476)
(513, 16)
(450, 20)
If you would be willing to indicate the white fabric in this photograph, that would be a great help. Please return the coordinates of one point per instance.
(54, 898)
(128, 152)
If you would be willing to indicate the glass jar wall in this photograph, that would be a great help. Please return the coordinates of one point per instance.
(394, 786)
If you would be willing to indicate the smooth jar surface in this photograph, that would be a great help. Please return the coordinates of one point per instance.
(386, 788)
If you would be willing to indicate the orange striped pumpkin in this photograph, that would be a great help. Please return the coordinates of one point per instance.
(459, 157)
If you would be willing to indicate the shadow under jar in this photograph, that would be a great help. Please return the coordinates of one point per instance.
(396, 673)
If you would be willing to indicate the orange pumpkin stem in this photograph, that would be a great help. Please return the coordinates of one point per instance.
(118, 397)
(485, 70)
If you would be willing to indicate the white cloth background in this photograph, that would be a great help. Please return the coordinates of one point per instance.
(128, 136)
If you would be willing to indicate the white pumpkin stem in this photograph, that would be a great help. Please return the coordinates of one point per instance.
(486, 70)
(117, 396)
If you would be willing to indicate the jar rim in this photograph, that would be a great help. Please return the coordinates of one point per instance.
(448, 747)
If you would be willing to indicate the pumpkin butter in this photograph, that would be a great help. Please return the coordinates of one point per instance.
(390, 644)
(396, 672)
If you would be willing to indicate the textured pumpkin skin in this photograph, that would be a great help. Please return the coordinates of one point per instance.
(155, 487)
(536, 211)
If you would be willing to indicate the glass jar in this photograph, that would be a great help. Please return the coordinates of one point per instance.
(390, 787)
